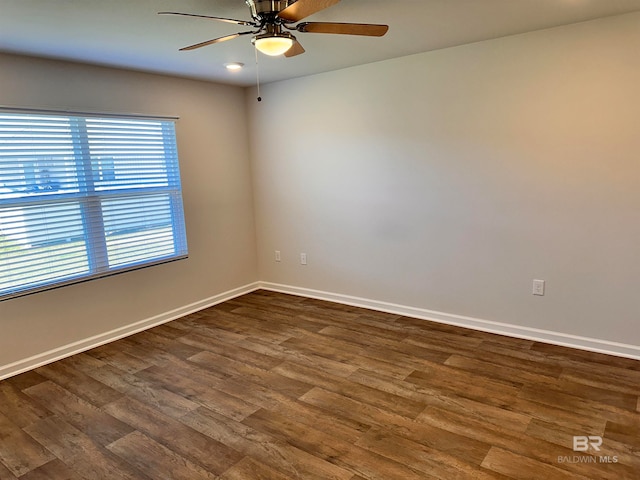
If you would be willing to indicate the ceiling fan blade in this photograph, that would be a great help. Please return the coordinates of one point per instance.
(303, 8)
(367, 29)
(220, 19)
(215, 40)
(296, 49)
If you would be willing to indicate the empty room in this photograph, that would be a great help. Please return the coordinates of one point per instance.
(319, 239)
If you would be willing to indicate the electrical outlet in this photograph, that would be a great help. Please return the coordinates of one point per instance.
(278, 258)
(538, 287)
(303, 259)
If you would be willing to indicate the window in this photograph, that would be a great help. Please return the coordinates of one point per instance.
(85, 196)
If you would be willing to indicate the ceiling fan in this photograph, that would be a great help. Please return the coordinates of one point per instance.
(272, 17)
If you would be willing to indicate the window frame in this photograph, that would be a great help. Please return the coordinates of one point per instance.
(91, 201)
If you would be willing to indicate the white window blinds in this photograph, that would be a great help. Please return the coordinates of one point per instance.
(84, 196)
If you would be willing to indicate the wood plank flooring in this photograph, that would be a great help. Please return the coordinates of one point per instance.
(274, 387)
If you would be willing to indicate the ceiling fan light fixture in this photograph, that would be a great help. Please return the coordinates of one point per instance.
(273, 44)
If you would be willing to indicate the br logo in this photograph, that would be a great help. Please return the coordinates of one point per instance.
(583, 443)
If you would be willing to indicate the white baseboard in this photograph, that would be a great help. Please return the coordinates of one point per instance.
(535, 334)
(77, 347)
(538, 335)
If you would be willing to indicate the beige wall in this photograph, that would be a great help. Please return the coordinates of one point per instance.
(444, 181)
(450, 180)
(214, 162)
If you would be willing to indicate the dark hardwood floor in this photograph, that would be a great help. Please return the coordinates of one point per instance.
(273, 387)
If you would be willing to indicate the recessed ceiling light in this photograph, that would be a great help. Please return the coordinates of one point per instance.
(234, 66)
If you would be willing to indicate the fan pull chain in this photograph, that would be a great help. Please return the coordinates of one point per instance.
(258, 75)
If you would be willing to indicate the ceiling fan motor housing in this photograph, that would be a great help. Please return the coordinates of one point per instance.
(261, 9)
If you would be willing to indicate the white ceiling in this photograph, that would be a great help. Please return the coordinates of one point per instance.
(130, 34)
